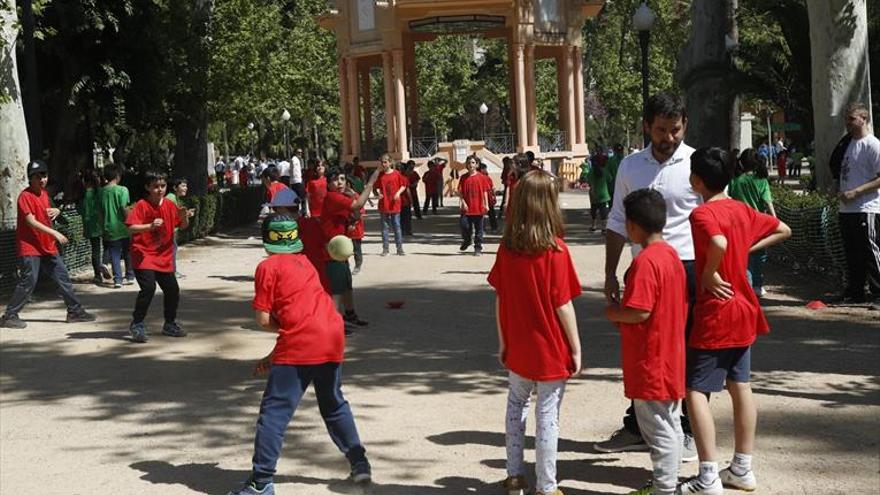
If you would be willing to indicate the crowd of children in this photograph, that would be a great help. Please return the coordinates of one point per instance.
(306, 297)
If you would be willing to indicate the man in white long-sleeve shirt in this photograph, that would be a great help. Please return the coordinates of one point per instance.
(665, 166)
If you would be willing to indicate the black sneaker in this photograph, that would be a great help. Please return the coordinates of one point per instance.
(464, 246)
(846, 300)
(172, 329)
(80, 316)
(12, 321)
(354, 319)
(361, 472)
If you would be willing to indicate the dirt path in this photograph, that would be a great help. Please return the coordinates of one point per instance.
(85, 411)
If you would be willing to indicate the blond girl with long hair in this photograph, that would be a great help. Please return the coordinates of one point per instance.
(538, 342)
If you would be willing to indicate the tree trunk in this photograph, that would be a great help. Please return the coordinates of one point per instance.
(839, 46)
(13, 130)
(705, 71)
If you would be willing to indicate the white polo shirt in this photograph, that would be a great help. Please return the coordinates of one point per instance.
(671, 178)
(296, 170)
(861, 164)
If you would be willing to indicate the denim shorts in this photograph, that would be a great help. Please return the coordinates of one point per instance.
(340, 277)
(707, 369)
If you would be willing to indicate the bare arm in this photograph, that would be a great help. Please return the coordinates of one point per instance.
(266, 321)
(781, 233)
(568, 319)
(365, 194)
(870, 186)
(33, 223)
(770, 208)
(712, 281)
(617, 314)
(614, 243)
(184, 216)
(502, 349)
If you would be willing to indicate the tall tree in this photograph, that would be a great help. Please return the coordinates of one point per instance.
(839, 38)
(13, 131)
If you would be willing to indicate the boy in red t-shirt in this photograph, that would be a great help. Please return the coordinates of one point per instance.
(270, 180)
(406, 200)
(651, 318)
(414, 179)
(152, 222)
(35, 240)
(389, 187)
(289, 301)
(316, 190)
(342, 209)
(493, 219)
(727, 318)
(473, 192)
(433, 180)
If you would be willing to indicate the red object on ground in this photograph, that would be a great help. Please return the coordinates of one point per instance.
(395, 304)
(816, 305)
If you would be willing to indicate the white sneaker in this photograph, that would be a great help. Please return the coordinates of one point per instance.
(746, 482)
(695, 485)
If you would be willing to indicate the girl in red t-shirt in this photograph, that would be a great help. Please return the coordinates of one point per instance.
(538, 342)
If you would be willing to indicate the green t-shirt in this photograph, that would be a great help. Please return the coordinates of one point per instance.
(585, 169)
(173, 198)
(114, 199)
(89, 209)
(751, 190)
(598, 180)
(356, 183)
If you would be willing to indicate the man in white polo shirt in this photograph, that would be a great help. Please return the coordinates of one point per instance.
(665, 166)
(860, 208)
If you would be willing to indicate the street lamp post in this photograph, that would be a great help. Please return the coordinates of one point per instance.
(250, 127)
(285, 116)
(484, 110)
(643, 22)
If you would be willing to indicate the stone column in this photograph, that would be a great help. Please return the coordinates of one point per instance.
(368, 110)
(580, 127)
(390, 112)
(354, 113)
(345, 126)
(400, 103)
(531, 97)
(520, 88)
(412, 87)
(568, 125)
(745, 130)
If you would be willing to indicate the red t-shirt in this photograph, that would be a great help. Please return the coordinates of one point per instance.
(30, 241)
(310, 329)
(529, 289)
(389, 184)
(356, 227)
(314, 242)
(490, 186)
(431, 179)
(273, 189)
(316, 191)
(413, 177)
(153, 249)
(359, 171)
(336, 214)
(652, 352)
(473, 188)
(736, 322)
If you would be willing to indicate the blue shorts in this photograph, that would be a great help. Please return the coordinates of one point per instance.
(340, 277)
(707, 369)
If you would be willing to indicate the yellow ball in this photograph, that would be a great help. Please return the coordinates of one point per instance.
(340, 248)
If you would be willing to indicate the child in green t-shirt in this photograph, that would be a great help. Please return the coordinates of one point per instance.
(600, 195)
(89, 208)
(753, 188)
(114, 207)
(179, 188)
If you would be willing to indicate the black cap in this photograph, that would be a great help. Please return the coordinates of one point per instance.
(36, 167)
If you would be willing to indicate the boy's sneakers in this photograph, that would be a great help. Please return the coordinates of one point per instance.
(696, 485)
(689, 449)
(138, 333)
(361, 472)
(250, 488)
(105, 272)
(172, 329)
(622, 440)
(12, 321)
(80, 316)
(384, 252)
(400, 252)
(746, 482)
(128, 281)
(478, 252)
(515, 485)
(117, 285)
(648, 489)
(464, 246)
(353, 318)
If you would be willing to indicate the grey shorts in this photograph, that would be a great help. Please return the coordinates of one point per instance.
(707, 370)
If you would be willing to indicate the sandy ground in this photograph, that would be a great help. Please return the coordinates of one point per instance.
(84, 411)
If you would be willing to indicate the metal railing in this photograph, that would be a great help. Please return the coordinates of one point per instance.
(552, 142)
(500, 143)
(423, 147)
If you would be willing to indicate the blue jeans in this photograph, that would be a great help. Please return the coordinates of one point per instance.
(119, 250)
(284, 389)
(29, 275)
(472, 227)
(390, 220)
(756, 270)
